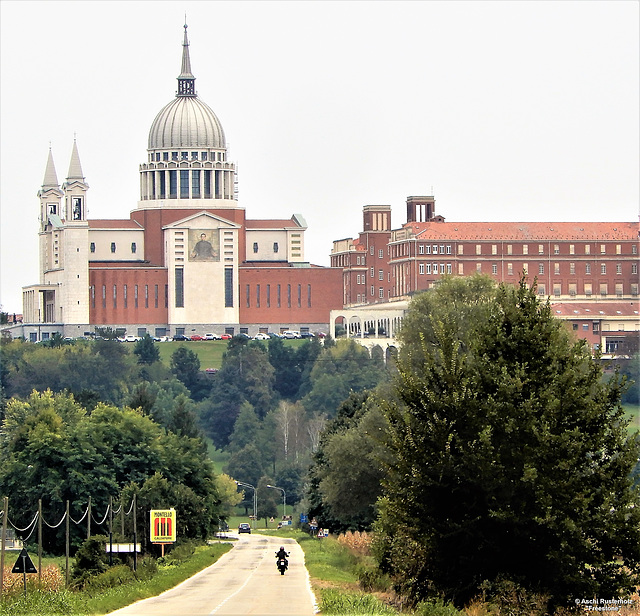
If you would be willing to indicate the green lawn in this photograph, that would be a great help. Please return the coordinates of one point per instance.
(633, 413)
(208, 351)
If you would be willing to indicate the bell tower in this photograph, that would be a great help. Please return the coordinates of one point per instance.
(50, 194)
(75, 190)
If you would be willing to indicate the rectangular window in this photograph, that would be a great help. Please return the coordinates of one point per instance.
(509, 249)
(268, 296)
(166, 295)
(173, 182)
(603, 249)
(494, 249)
(381, 293)
(478, 267)
(441, 249)
(460, 249)
(525, 249)
(442, 268)
(248, 296)
(372, 291)
(478, 249)
(540, 249)
(542, 289)
(588, 289)
(288, 296)
(434, 249)
(587, 268)
(146, 295)
(510, 269)
(618, 268)
(603, 268)
(556, 249)
(448, 268)
(435, 268)
(155, 296)
(372, 250)
(115, 296)
(257, 296)
(494, 269)
(634, 249)
(195, 182)
(572, 268)
(278, 296)
(104, 296)
(573, 289)
(448, 249)
(135, 296)
(460, 269)
(587, 249)
(556, 269)
(255, 247)
(428, 268)
(427, 249)
(540, 268)
(557, 290)
(604, 289)
(380, 253)
(380, 275)
(421, 268)
(299, 296)
(595, 326)
(618, 289)
(373, 272)
(133, 248)
(634, 268)
(179, 275)
(93, 296)
(275, 247)
(572, 249)
(184, 183)
(228, 287)
(207, 183)
(308, 296)
(92, 247)
(634, 289)
(113, 247)
(421, 249)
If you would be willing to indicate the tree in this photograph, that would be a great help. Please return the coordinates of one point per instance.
(146, 350)
(268, 499)
(511, 459)
(185, 364)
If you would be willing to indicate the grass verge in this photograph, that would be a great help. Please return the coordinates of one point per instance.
(42, 603)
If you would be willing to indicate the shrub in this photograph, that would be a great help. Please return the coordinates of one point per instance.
(371, 579)
(356, 541)
(52, 581)
(436, 607)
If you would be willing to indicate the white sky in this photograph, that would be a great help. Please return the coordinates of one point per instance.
(512, 110)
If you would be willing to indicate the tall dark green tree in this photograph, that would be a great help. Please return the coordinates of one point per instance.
(512, 459)
(146, 350)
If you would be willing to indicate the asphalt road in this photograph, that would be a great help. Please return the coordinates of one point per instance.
(243, 581)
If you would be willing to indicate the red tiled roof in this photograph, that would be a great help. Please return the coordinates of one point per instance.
(271, 224)
(596, 310)
(114, 224)
(525, 231)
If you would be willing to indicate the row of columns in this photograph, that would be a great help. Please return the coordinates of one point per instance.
(187, 184)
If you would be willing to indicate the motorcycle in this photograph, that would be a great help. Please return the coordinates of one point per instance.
(282, 564)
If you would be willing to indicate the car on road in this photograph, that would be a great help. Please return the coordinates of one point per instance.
(244, 528)
(262, 336)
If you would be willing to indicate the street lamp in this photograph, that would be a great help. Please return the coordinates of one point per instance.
(284, 499)
(255, 500)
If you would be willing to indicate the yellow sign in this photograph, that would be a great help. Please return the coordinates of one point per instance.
(163, 525)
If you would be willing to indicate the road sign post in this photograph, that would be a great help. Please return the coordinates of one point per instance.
(24, 565)
(163, 526)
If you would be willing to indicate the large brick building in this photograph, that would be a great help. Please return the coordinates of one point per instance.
(187, 260)
(592, 265)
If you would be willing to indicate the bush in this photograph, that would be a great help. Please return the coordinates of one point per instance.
(178, 554)
(91, 559)
(436, 607)
(371, 579)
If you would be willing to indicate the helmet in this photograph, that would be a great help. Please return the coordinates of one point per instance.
(282, 547)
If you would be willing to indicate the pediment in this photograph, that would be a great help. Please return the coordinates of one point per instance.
(202, 220)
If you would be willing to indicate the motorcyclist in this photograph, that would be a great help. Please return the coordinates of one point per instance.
(281, 554)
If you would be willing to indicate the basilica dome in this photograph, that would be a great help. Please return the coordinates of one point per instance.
(184, 123)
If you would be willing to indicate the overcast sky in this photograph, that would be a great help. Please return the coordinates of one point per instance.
(522, 111)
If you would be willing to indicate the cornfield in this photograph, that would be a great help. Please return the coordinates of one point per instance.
(356, 541)
(52, 580)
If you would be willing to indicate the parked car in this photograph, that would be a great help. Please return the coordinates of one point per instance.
(290, 334)
(161, 338)
(226, 337)
(211, 370)
(321, 334)
(261, 336)
(306, 335)
(243, 335)
(129, 339)
(197, 337)
(211, 337)
(180, 338)
(274, 335)
(244, 528)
